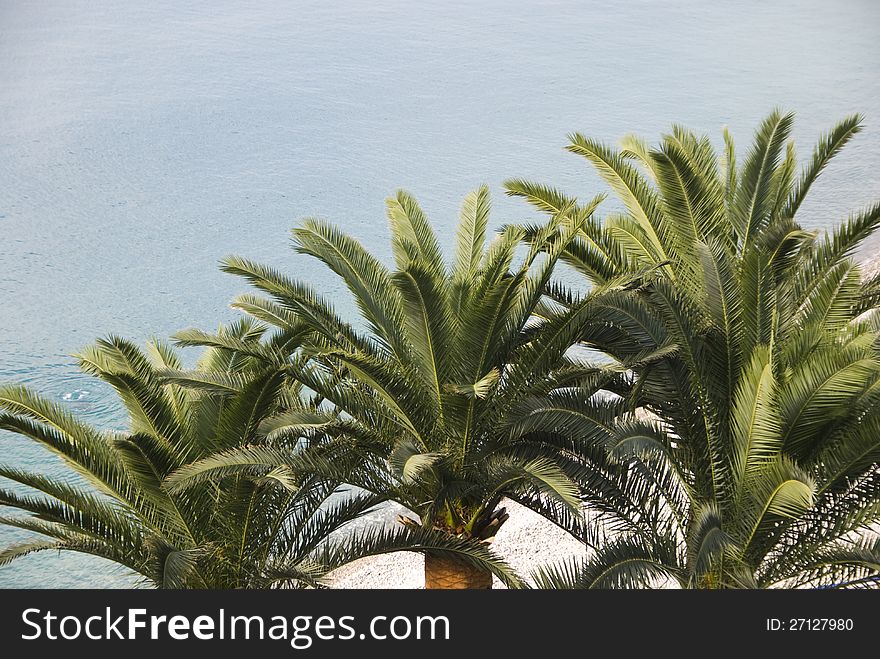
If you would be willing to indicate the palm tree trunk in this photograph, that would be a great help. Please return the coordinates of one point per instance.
(444, 572)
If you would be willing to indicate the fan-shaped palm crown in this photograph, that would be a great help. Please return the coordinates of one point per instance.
(442, 404)
(258, 530)
(762, 466)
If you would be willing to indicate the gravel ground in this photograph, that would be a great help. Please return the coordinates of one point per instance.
(526, 541)
(871, 266)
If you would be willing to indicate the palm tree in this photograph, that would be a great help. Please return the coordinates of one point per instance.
(262, 529)
(444, 402)
(755, 462)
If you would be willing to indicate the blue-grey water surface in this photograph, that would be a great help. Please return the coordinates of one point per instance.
(142, 142)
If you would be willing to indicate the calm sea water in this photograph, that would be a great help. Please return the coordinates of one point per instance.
(139, 145)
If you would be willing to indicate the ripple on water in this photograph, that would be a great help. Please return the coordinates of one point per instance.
(63, 382)
(94, 402)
